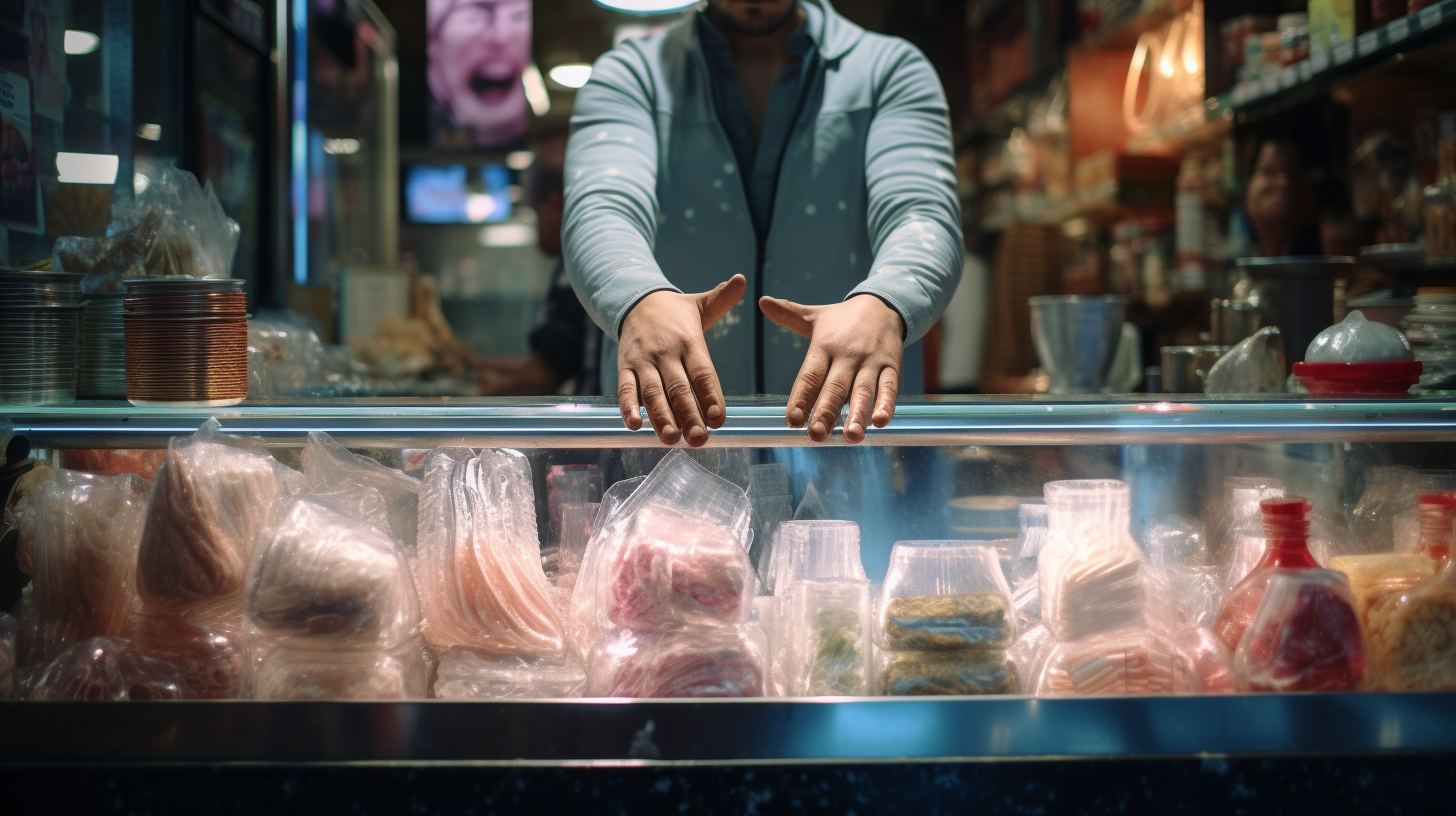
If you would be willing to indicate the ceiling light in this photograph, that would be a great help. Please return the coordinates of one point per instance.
(81, 42)
(341, 147)
(150, 131)
(507, 235)
(535, 87)
(571, 75)
(520, 159)
(87, 168)
(645, 6)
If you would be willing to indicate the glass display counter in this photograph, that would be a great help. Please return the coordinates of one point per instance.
(954, 469)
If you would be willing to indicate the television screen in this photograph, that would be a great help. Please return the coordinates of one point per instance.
(455, 194)
(477, 51)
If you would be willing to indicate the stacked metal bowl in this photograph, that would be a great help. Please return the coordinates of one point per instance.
(40, 320)
(103, 348)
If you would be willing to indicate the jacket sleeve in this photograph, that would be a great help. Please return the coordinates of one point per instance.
(914, 213)
(611, 191)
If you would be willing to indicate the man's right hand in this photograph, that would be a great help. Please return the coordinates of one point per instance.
(663, 363)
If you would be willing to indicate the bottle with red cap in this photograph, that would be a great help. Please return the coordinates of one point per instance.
(1437, 512)
(1286, 548)
(1306, 636)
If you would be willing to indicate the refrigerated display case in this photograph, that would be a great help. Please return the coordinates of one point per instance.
(943, 467)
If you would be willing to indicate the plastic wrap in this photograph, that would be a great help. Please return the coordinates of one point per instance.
(679, 661)
(770, 615)
(322, 580)
(1378, 580)
(1209, 661)
(7, 656)
(1357, 340)
(1413, 636)
(212, 497)
(1135, 661)
(1029, 654)
(921, 674)
(1306, 636)
(814, 550)
(945, 596)
(478, 566)
(1437, 514)
(21, 512)
(107, 669)
(109, 462)
(210, 653)
(570, 484)
(1091, 569)
(465, 675)
(383, 496)
(1254, 366)
(1286, 532)
(284, 674)
(576, 530)
(88, 528)
(1241, 536)
(829, 630)
(674, 552)
(1374, 515)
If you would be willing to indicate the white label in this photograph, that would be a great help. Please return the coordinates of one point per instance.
(1344, 51)
(1319, 63)
(1398, 30)
(1368, 43)
(1431, 17)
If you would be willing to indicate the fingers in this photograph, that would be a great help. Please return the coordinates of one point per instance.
(706, 389)
(627, 399)
(861, 400)
(684, 404)
(832, 397)
(653, 395)
(889, 391)
(806, 387)
(713, 304)
(792, 316)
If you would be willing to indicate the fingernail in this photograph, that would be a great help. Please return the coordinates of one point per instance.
(854, 427)
(818, 429)
(696, 433)
(714, 411)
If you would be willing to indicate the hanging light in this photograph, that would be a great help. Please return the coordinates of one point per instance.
(645, 6)
(570, 75)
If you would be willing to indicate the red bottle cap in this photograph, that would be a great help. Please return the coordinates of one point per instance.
(1286, 519)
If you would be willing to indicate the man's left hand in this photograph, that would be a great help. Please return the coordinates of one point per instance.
(855, 349)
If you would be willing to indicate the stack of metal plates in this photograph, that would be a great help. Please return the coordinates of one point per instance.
(103, 348)
(40, 319)
(186, 341)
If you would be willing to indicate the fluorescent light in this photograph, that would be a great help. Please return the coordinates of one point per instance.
(535, 88)
(645, 6)
(139, 183)
(507, 235)
(87, 168)
(80, 42)
(571, 75)
(520, 159)
(150, 131)
(341, 147)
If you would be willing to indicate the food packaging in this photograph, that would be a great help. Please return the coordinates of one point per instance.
(829, 627)
(466, 675)
(570, 484)
(1255, 366)
(944, 596)
(770, 615)
(1305, 637)
(1437, 514)
(1091, 569)
(1241, 533)
(105, 668)
(210, 651)
(368, 490)
(1376, 580)
(679, 661)
(1374, 515)
(1134, 662)
(287, 674)
(114, 462)
(1413, 636)
(478, 564)
(325, 581)
(814, 550)
(1286, 532)
(923, 674)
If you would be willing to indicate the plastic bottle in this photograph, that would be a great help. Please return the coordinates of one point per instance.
(1286, 536)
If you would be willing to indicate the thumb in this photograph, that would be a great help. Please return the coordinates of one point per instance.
(716, 302)
(795, 317)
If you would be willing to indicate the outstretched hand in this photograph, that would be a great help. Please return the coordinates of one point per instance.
(855, 350)
(663, 363)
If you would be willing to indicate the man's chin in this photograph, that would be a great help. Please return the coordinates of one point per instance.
(757, 22)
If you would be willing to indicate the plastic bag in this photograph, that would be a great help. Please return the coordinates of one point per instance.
(465, 675)
(7, 656)
(478, 566)
(829, 626)
(212, 497)
(380, 495)
(917, 674)
(1374, 515)
(814, 550)
(770, 615)
(1286, 532)
(1135, 661)
(210, 652)
(945, 596)
(1091, 570)
(1306, 637)
(1209, 661)
(88, 529)
(679, 661)
(570, 484)
(109, 462)
(21, 512)
(322, 580)
(285, 674)
(1413, 636)
(1254, 366)
(107, 669)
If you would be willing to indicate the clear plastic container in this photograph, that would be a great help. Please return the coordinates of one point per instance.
(1286, 536)
(1379, 583)
(968, 672)
(287, 674)
(814, 550)
(1305, 637)
(1413, 636)
(466, 675)
(1132, 662)
(1091, 568)
(942, 596)
(679, 661)
(829, 633)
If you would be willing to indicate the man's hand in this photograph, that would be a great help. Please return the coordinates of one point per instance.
(854, 356)
(663, 363)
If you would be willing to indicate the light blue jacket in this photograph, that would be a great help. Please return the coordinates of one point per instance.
(866, 199)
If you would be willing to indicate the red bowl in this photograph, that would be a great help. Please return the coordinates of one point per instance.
(1383, 379)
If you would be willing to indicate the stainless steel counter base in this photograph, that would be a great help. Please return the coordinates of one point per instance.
(621, 732)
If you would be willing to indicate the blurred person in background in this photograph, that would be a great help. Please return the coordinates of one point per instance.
(478, 50)
(565, 345)
(1281, 201)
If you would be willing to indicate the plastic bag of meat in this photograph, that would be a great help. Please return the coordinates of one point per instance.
(1090, 567)
(213, 496)
(371, 492)
(829, 634)
(322, 580)
(87, 531)
(7, 656)
(679, 661)
(675, 552)
(21, 512)
(114, 462)
(209, 651)
(466, 675)
(287, 674)
(1305, 637)
(107, 669)
(478, 565)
